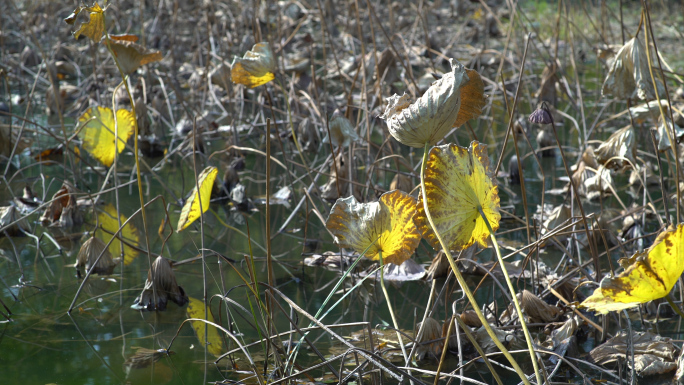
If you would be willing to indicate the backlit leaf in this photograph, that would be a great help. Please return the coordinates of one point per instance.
(109, 225)
(196, 310)
(255, 68)
(651, 275)
(96, 129)
(430, 118)
(473, 98)
(457, 182)
(389, 221)
(94, 28)
(191, 209)
(132, 56)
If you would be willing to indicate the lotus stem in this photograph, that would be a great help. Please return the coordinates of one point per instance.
(391, 310)
(461, 280)
(528, 337)
(674, 306)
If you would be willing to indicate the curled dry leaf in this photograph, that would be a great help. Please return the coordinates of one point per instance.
(94, 28)
(473, 98)
(89, 253)
(62, 210)
(431, 331)
(457, 184)
(650, 275)
(664, 133)
(386, 226)
(622, 144)
(558, 217)
(97, 130)
(10, 216)
(206, 334)
(470, 318)
(341, 132)
(653, 354)
(597, 185)
(255, 68)
(511, 340)
(132, 56)
(160, 287)
(109, 225)
(193, 209)
(536, 310)
(629, 76)
(430, 118)
(144, 357)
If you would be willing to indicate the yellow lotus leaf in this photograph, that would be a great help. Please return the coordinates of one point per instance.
(94, 28)
(96, 129)
(651, 275)
(255, 68)
(430, 118)
(109, 225)
(473, 98)
(191, 210)
(457, 183)
(132, 56)
(196, 310)
(389, 221)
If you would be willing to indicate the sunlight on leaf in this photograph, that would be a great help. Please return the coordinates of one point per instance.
(191, 209)
(430, 118)
(196, 310)
(96, 129)
(650, 275)
(473, 98)
(109, 225)
(390, 221)
(457, 182)
(257, 67)
(94, 28)
(629, 76)
(132, 56)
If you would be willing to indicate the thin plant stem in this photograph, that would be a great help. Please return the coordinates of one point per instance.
(461, 280)
(674, 306)
(389, 306)
(528, 337)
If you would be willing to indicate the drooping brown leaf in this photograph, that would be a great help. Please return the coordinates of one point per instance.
(88, 254)
(132, 56)
(62, 210)
(536, 310)
(11, 215)
(342, 131)
(473, 98)
(622, 144)
(160, 287)
(653, 354)
(629, 76)
(428, 342)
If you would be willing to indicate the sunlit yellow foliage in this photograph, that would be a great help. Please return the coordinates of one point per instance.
(457, 183)
(191, 210)
(94, 28)
(96, 129)
(389, 221)
(109, 225)
(650, 275)
(255, 68)
(196, 310)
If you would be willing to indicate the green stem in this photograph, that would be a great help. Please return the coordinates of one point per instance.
(389, 306)
(674, 305)
(461, 280)
(528, 337)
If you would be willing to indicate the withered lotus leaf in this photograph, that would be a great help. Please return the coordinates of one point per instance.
(473, 98)
(89, 253)
(457, 184)
(96, 129)
(430, 118)
(160, 287)
(63, 208)
(255, 68)
(629, 75)
(341, 131)
(132, 56)
(622, 144)
(386, 226)
(94, 28)
(650, 275)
